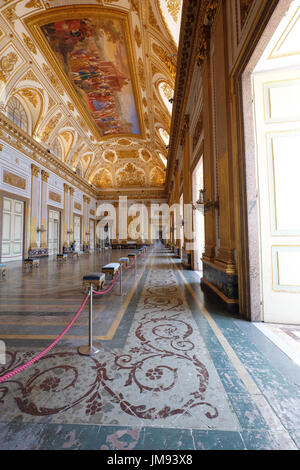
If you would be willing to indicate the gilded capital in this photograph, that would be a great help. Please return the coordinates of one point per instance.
(66, 187)
(45, 176)
(35, 170)
(72, 190)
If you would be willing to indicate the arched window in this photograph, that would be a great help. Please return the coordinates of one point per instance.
(16, 112)
(56, 148)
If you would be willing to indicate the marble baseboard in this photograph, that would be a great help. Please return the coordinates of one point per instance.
(223, 284)
(186, 259)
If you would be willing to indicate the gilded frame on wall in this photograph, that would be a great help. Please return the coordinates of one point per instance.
(35, 22)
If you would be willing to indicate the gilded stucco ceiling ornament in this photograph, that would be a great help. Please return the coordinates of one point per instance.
(134, 5)
(245, 6)
(103, 179)
(146, 156)
(130, 175)
(168, 91)
(137, 36)
(7, 64)
(174, 7)
(10, 14)
(110, 157)
(66, 136)
(30, 76)
(70, 106)
(124, 142)
(30, 95)
(34, 4)
(157, 177)
(28, 42)
(54, 81)
(50, 127)
(152, 20)
(141, 73)
(165, 58)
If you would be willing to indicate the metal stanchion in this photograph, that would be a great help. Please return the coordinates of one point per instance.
(90, 349)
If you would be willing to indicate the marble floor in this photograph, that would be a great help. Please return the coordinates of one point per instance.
(175, 371)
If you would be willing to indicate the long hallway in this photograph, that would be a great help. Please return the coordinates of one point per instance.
(174, 372)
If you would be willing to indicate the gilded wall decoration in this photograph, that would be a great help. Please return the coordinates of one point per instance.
(127, 154)
(103, 179)
(34, 4)
(134, 5)
(110, 156)
(10, 14)
(14, 180)
(77, 206)
(152, 19)
(130, 175)
(166, 58)
(146, 156)
(141, 73)
(157, 176)
(92, 212)
(245, 6)
(137, 36)
(174, 7)
(50, 126)
(53, 80)
(124, 142)
(28, 42)
(7, 65)
(30, 95)
(55, 197)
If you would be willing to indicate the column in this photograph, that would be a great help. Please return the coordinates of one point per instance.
(71, 215)
(187, 192)
(44, 211)
(34, 206)
(208, 163)
(66, 215)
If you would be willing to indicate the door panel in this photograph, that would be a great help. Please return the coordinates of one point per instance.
(53, 230)
(77, 224)
(12, 229)
(276, 99)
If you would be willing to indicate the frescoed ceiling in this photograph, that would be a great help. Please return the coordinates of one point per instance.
(96, 80)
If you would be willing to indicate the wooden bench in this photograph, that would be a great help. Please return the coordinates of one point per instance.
(62, 257)
(3, 270)
(96, 279)
(74, 254)
(31, 262)
(111, 269)
(131, 256)
(124, 260)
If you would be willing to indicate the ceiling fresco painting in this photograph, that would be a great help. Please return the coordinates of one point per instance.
(92, 52)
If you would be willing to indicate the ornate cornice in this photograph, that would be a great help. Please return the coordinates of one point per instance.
(16, 137)
(196, 22)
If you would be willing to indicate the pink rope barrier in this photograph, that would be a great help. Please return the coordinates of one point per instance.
(9, 375)
(110, 287)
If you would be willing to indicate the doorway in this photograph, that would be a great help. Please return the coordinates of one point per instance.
(77, 232)
(53, 231)
(276, 97)
(92, 235)
(12, 229)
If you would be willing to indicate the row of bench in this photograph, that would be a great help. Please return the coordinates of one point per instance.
(98, 279)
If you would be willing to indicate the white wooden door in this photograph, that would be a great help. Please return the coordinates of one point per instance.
(53, 238)
(12, 229)
(77, 221)
(277, 108)
(92, 235)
